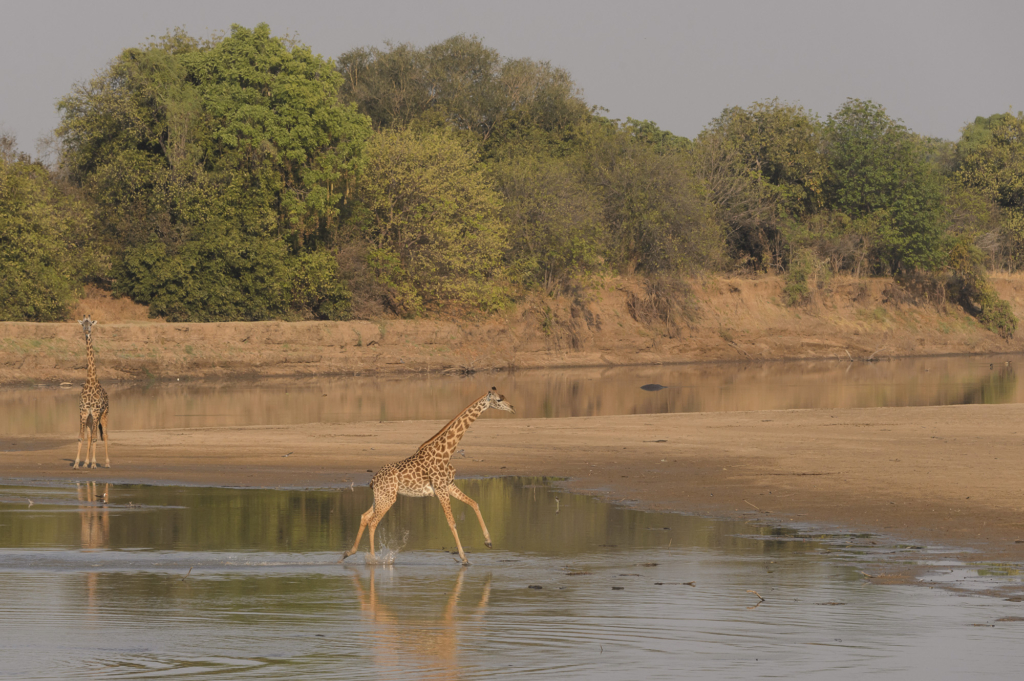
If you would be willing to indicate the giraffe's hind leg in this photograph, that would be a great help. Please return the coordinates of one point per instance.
(103, 434)
(382, 501)
(442, 496)
(463, 497)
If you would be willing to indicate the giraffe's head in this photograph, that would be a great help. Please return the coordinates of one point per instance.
(495, 401)
(87, 324)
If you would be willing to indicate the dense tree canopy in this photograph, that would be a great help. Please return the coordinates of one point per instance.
(879, 173)
(219, 168)
(431, 218)
(44, 253)
(991, 160)
(245, 177)
(462, 84)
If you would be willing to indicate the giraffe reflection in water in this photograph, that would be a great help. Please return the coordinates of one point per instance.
(92, 507)
(436, 643)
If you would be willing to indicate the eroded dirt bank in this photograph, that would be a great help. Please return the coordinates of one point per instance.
(948, 476)
(726, 319)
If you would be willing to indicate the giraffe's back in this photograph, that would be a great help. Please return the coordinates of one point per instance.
(417, 476)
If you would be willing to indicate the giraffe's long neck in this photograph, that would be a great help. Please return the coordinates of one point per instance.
(448, 437)
(91, 359)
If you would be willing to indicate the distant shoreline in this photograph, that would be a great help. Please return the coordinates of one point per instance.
(736, 320)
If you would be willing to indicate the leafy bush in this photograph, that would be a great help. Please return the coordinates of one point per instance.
(655, 220)
(971, 288)
(221, 275)
(799, 278)
(317, 289)
(555, 221)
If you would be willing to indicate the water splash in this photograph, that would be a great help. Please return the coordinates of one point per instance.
(387, 548)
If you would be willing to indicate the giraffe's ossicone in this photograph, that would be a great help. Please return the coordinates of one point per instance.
(429, 472)
(94, 406)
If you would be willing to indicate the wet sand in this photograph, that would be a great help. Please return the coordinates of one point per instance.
(942, 476)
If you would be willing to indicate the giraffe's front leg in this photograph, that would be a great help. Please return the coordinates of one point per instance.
(92, 444)
(363, 520)
(81, 434)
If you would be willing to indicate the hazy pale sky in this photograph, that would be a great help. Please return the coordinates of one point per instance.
(934, 64)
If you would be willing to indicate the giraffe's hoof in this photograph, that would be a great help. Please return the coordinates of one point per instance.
(344, 556)
(465, 562)
(488, 544)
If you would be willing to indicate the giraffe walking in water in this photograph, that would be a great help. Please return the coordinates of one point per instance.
(429, 472)
(94, 405)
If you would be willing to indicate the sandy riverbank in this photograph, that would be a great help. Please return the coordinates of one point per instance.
(947, 476)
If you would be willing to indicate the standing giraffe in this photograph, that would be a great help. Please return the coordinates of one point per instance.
(94, 405)
(429, 472)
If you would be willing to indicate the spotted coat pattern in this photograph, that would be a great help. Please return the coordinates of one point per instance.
(429, 472)
(94, 406)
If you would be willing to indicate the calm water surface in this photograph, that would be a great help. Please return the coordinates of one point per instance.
(50, 410)
(177, 582)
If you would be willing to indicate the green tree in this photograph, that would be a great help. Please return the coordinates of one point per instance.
(762, 167)
(44, 250)
(462, 84)
(431, 219)
(653, 217)
(220, 169)
(555, 220)
(782, 143)
(991, 160)
(648, 132)
(879, 171)
(284, 146)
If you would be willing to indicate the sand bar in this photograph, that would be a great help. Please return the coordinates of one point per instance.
(950, 476)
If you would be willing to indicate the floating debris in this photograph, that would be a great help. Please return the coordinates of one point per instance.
(653, 387)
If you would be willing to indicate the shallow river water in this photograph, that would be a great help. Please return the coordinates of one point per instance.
(176, 582)
(50, 410)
